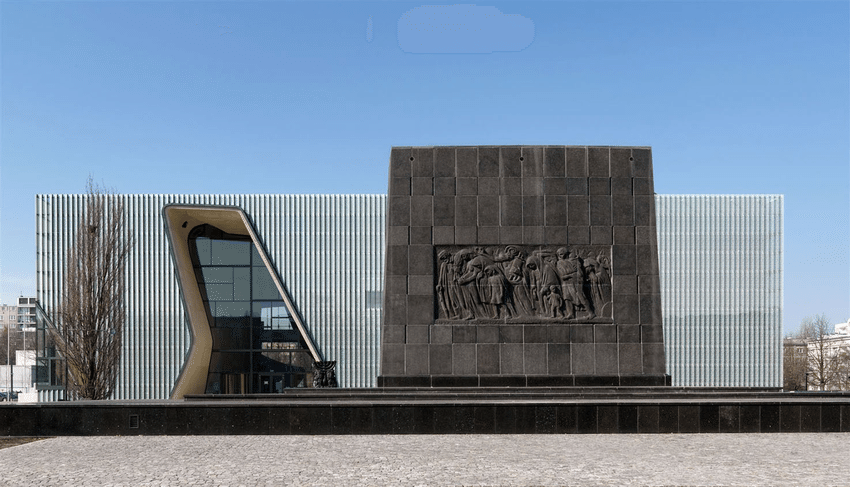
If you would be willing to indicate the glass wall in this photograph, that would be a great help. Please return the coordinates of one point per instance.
(256, 347)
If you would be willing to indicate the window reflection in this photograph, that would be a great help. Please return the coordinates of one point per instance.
(255, 346)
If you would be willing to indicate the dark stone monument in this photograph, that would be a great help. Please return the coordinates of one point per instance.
(521, 266)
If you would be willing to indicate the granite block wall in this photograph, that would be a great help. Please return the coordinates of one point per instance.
(471, 232)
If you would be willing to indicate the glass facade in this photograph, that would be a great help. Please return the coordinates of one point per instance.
(720, 259)
(721, 265)
(256, 347)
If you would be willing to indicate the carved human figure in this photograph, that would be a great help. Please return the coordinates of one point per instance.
(517, 274)
(572, 278)
(444, 285)
(554, 301)
(495, 292)
(599, 280)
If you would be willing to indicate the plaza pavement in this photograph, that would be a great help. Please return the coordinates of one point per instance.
(816, 459)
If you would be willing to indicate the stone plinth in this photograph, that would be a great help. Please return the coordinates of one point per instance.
(521, 266)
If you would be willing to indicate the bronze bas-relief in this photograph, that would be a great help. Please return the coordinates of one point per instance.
(516, 282)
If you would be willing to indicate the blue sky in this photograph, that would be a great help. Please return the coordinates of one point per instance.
(297, 97)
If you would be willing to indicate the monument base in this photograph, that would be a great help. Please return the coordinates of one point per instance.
(524, 381)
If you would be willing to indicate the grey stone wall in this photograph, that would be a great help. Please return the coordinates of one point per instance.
(546, 196)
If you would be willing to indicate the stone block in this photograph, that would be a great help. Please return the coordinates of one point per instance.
(420, 310)
(487, 334)
(400, 162)
(535, 358)
(624, 235)
(558, 358)
(621, 186)
(444, 210)
(630, 358)
(578, 210)
(423, 162)
(623, 257)
(623, 210)
(645, 235)
(440, 359)
(510, 234)
(466, 162)
(531, 159)
(598, 162)
(467, 186)
(399, 187)
(511, 358)
(576, 186)
(628, 333)
(606, 359)
(555, 210)
(488, 235)
(626, 309)
(642, 186)
(532, 235)
(398, 235)
(395, 310)
(420, 260)
(578, 235)
(392, 359)
(488, 210)
(643, 210)
(397, 260)
(421, 210)
(532, 186)
(421, 235)
(422, 186)
(444, 161)
(555, 235)
(650, 309)
(653, 333)
(392, 334)
(421, 285)
(416, 360)
(599, 186)
(488, 162)
(444, 235)
(535, 333)
(532, 210)
(466, 211)
(624, 285)
(418, 334)
(511, 210)
(576, 162)
(554, 162)
(399, 210)
(441, 334)
(509, 163)
(600, 210)
(653, 358)
(493, 186)
(466, 235)
(621, 166)
(444, 186)
(464, 334)
(555, 186)
(649, 284)
(487, 356)
(605, 333)
(464, 360)
(583, 359)
(642, 163)
(648, 419)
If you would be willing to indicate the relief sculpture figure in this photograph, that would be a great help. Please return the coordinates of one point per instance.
(512, 282)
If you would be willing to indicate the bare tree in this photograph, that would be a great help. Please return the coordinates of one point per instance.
(795, 361)
(93, 309)
(827, 364)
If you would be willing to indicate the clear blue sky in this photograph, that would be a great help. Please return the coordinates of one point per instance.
(294, 97)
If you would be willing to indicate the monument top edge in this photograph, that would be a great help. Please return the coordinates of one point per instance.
(522, 146)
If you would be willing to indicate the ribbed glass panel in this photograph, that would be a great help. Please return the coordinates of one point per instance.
(328, 250)
(721, 266)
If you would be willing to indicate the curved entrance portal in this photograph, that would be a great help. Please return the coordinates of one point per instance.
(247, 336)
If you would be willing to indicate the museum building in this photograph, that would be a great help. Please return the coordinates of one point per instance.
(268, 284)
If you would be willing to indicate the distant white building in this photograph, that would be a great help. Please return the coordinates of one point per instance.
(19, 377)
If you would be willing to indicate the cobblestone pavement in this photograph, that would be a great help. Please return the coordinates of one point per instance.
(707, 459)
